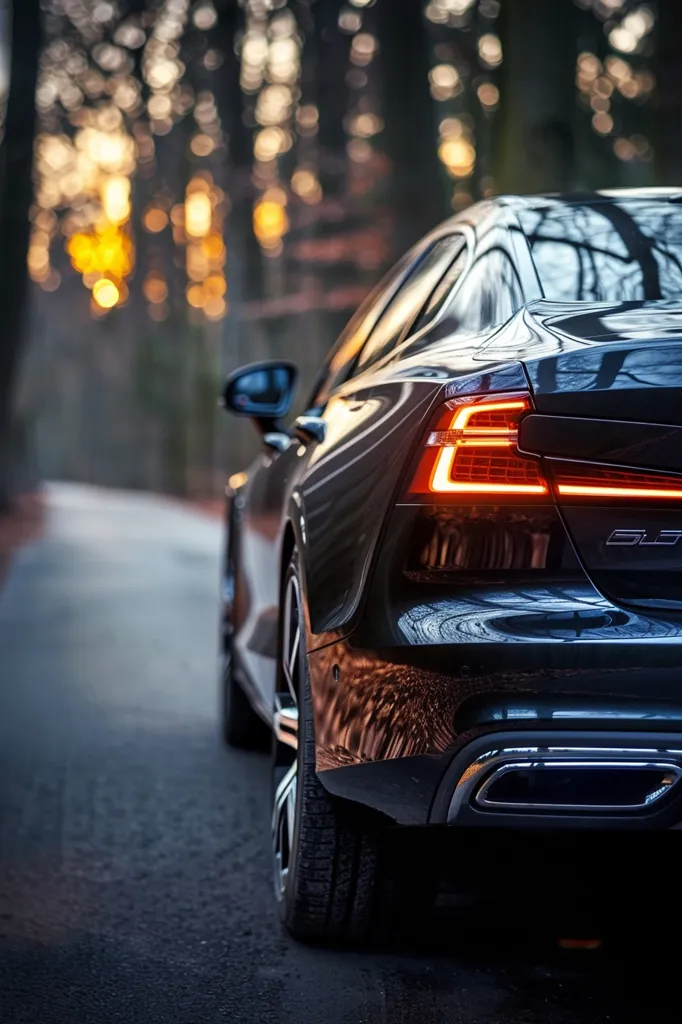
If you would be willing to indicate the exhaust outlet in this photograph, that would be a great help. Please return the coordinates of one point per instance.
(571, 780)
(584, 786)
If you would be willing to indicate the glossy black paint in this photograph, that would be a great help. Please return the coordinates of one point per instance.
(636, 445)
(431, 623)
(633, 554)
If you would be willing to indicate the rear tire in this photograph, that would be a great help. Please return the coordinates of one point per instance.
(325, 853)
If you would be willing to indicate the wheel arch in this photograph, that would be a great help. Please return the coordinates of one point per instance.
(288, 545)
(293, 540)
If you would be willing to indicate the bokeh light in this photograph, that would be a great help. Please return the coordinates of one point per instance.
(155, 219)
(490, 50)
(198, 214)
(105, 293)
(270, 222)
(115, 196)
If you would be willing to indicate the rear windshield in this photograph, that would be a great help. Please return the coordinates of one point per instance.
(607, 252)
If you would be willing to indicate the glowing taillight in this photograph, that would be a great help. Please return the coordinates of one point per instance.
(473, 452)
(591, 482)
(596, 491)
(499, 417)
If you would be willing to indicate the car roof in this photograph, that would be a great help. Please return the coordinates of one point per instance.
(589, 198)
(491, 208)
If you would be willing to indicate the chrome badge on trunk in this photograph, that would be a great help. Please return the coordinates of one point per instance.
(644, 538)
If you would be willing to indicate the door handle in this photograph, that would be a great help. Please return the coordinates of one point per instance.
(310, 429)
(276, 441)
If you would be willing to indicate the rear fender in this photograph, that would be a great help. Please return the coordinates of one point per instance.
(339, 509)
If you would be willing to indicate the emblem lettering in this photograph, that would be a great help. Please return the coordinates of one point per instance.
(644, 539)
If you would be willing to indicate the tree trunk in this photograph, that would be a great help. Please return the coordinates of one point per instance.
(417, 190)
(536, 128)
(16, 199)
(668, 119)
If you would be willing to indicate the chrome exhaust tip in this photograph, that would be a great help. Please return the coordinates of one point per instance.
(572, 785)
(566, 780)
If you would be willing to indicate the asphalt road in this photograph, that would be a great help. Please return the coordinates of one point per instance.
(134, 875)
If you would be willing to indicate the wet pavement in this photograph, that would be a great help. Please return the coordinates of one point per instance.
(134, 874)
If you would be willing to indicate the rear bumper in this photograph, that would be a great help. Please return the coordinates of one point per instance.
(445, 790)
(397, 729)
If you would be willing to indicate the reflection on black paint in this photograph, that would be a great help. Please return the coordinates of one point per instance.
(606, 251)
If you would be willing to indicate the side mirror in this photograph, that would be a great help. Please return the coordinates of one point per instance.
(262, 391)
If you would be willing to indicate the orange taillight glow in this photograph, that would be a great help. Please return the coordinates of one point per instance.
(587, 491)
(610, 483)
(475, 452)
(484, 467)
(493, 413)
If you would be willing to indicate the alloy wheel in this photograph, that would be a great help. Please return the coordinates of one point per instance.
(285, 728)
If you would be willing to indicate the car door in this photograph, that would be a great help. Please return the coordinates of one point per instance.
(375, 418)
(264, 497)
(343, 479)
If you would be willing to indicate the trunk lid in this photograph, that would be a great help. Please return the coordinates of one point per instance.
(617, 361)
(608, 425)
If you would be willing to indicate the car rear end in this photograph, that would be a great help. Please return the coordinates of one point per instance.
(518, 659)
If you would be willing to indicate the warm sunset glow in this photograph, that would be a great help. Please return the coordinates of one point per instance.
(197, 263)
(105, 293)
(115, 195)
(106, 250)
(198, 214)
(215, 307)
(215, 286)
(196, 296)
(270, 222)
(458, 155)
(213, 249)
(269, 142)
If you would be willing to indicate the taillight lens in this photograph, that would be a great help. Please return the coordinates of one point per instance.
(574, 481)
(473, 452)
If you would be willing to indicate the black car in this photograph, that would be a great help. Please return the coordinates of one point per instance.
(453, 588)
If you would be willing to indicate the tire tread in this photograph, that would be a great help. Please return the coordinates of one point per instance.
(332, 884)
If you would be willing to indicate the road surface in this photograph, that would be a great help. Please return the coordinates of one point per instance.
(134, 874)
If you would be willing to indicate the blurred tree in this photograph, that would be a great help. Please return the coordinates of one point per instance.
(332, 59)
(536, 128)
(668, 119)
(244, 258)
(16, 160)
(416, 187)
